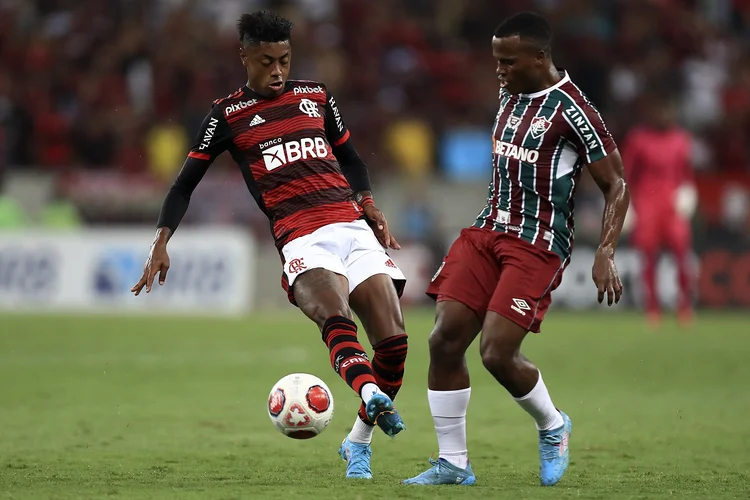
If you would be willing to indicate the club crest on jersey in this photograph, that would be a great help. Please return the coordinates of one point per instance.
(539, 126)
(513, 122)
(310, 108)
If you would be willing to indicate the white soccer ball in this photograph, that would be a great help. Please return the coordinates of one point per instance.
(300, 405)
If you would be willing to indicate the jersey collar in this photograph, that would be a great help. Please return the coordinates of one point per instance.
(565, 79)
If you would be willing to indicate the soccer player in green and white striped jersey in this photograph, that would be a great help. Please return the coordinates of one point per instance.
(498, 275)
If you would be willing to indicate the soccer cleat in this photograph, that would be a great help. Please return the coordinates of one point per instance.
(653, 320)
(685, 317)
(444, 472)
(553, 452)
(357, 458)
(380, 411)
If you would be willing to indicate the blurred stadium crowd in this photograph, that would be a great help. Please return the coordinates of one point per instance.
(106, 95)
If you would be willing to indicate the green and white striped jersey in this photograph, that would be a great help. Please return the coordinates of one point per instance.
(541, 142)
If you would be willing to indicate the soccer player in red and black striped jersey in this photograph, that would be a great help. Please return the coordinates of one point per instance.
(498, 275)
(297, 158)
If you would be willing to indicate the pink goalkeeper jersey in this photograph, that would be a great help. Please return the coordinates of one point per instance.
(657, 162)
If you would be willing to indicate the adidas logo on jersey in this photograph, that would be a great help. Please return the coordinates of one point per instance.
(257, 120)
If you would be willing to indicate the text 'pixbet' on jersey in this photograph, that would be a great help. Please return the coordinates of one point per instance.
(308, 90)
(237, 106)
(277, 154)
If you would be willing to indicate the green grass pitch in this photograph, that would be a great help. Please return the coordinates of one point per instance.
(108, 407)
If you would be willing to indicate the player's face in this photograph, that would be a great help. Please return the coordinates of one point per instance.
(519, 64)
(267, 66)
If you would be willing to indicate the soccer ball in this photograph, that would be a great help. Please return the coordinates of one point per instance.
(300, 405)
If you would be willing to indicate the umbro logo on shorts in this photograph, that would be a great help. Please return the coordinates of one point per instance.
(520, 306)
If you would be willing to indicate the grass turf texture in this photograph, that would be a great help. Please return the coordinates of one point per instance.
(176, 408)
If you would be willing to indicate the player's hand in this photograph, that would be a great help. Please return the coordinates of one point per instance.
(379, 225)
(157, 262)
(605, 276)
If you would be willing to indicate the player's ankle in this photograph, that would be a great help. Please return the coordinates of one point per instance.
(460, 460)
(361, 432)
(368, 391)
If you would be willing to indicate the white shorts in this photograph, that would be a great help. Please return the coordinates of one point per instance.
(346, 248)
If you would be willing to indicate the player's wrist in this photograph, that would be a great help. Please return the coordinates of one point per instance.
(606, 249)
(163, 234)
(364, 198)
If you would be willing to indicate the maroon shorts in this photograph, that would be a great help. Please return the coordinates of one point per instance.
(489, 270)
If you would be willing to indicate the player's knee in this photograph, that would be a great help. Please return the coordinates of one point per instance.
(320, 312)
(447, 344)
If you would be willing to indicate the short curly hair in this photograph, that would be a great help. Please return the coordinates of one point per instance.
(263, 26)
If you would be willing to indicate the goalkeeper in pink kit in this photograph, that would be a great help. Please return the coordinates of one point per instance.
(657, 158)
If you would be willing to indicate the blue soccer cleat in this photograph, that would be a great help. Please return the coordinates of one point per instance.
(444, 472)
(553, 452)
(380, 411)
(357, 458)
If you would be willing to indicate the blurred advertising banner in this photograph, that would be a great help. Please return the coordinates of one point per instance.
(93, 270)
(721, 278)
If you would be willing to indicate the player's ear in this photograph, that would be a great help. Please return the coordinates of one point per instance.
(243, 56)
(541, 55)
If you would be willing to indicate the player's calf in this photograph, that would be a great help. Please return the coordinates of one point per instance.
(348, 357)
(350, 361)
(500, 350)
(388, 364)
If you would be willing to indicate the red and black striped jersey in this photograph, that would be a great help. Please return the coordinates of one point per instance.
(284, 149)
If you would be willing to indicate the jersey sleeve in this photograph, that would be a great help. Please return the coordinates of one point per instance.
(213, 138)
(336, 130)
(686, 172)
(589, 133)
(352, 166)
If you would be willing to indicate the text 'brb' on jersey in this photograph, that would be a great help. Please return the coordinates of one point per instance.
(540, 143)
(283, 146)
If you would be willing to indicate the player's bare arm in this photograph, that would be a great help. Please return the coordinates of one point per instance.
(174, 208)
(609, 175)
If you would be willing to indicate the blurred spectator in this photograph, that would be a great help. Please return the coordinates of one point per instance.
(166, 145)
(124, 84)
(410, 143)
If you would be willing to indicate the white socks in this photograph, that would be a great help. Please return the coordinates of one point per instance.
(538, 404)
(361, 432)
(448, 410)
(368, 391)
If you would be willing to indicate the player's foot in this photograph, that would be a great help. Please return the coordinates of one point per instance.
(653, 319)
(553, 452)
(380, 411)
(685, 317)
(357, 458)
(444, 472)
